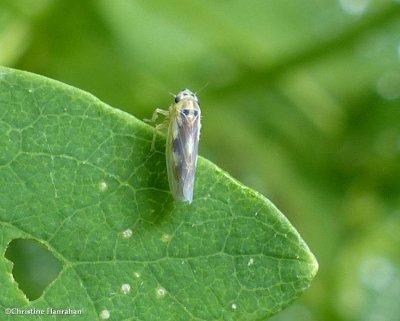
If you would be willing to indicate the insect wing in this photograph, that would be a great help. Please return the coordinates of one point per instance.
(182, 148)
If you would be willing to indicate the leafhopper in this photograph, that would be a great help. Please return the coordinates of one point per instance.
(183, 122)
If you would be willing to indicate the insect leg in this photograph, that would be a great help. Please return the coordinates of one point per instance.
(159, 111)
(158, 127)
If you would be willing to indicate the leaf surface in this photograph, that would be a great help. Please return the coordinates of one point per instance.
(79, 177)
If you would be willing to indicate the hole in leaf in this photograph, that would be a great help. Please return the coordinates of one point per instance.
(35, 267)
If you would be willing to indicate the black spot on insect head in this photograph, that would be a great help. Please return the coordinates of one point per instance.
(186, 112)
(195, 113)
(186, 93)
(180, 95)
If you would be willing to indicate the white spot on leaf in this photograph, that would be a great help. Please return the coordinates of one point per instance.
(161, 292)
(125, 288)
(234, 306)
(127, 233)
(166, 238)
(137, 275)
(105, 314)
(103, 186)
(251, 262)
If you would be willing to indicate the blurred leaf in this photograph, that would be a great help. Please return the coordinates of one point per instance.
(78, 176)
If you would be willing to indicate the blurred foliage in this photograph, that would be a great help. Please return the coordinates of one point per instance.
(302, 104)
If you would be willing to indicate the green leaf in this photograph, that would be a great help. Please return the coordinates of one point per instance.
(79, 177)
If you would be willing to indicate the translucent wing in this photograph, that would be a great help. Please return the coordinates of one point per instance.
(182, 148)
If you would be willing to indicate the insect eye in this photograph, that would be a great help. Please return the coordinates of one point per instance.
(186, 112)
(177, 99)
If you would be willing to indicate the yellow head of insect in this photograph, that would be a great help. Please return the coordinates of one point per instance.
(186, 94)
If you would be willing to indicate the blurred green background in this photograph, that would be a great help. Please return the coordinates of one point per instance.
(302, 104)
